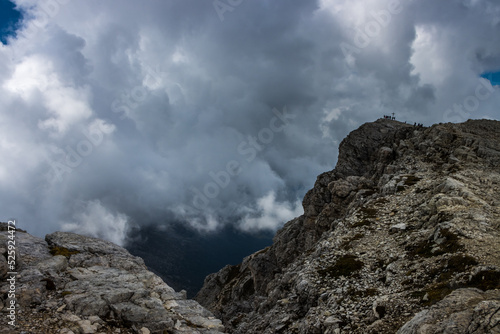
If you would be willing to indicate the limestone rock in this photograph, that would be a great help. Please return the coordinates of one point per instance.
(78, 284)
(408, 220)
(463, 311)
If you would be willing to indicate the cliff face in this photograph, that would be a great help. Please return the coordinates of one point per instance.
(402, 236)
(69, 283)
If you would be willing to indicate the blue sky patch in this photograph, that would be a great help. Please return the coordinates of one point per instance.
(9, 19)
(493, 77)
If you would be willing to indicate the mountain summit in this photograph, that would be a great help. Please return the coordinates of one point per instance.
(401, 237)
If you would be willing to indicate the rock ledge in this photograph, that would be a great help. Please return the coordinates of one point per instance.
(69, 283)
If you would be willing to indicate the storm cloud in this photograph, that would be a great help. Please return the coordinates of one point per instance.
(117, 114)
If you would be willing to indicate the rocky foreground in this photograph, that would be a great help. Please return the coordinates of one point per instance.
(403, 236)
(69, 283)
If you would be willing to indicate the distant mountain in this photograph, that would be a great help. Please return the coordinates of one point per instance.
(183, 257)
(401, 237)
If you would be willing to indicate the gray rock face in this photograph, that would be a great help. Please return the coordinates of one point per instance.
(76, 284)
(408, 221)
(463, 311)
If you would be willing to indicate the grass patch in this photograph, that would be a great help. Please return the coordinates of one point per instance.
(262, 251)
(421, 190)
(346, 265)
(422, 248)
(451, 244)
(366, 217)
(455, 264)
(368, 192)
(369, 212)
(412, 180)
(427, 248)
(355, 294)
(357, 236)
(458, 263)
(347, 243)
(56, 250)
(434, 293)
(380, 264)
(370, 292)
(485, 280)
(407, 282)
(364, 222)
(418, 294)
(437, 293)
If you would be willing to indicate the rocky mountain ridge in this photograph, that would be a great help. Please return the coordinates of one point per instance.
(403, 236)
(72, 284)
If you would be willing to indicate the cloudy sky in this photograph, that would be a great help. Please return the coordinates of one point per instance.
(116, 114)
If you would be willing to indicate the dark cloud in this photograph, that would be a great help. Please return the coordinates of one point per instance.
(128, 113)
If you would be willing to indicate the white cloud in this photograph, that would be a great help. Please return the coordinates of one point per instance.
(97, 221)
(428, 58)
(65, 105)
(270, 214)
(175, 91)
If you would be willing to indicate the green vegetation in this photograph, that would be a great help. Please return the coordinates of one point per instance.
(369, 192)
(485, 280)
(418, 294)
(407, 282)
(427, 248)
(355, 294)
(56, 250)
(262, 251)
(458, 263)
(346, 265)
(380, 264)
(347, 243)
(369, 212)
(455, 264)
(451, 244)
(412, 180)
(437, 293)
(434, 293)
(364, 222)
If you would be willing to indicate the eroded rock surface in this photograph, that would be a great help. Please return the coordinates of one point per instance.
(406, 226)
(70, 283)
(463, 311)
